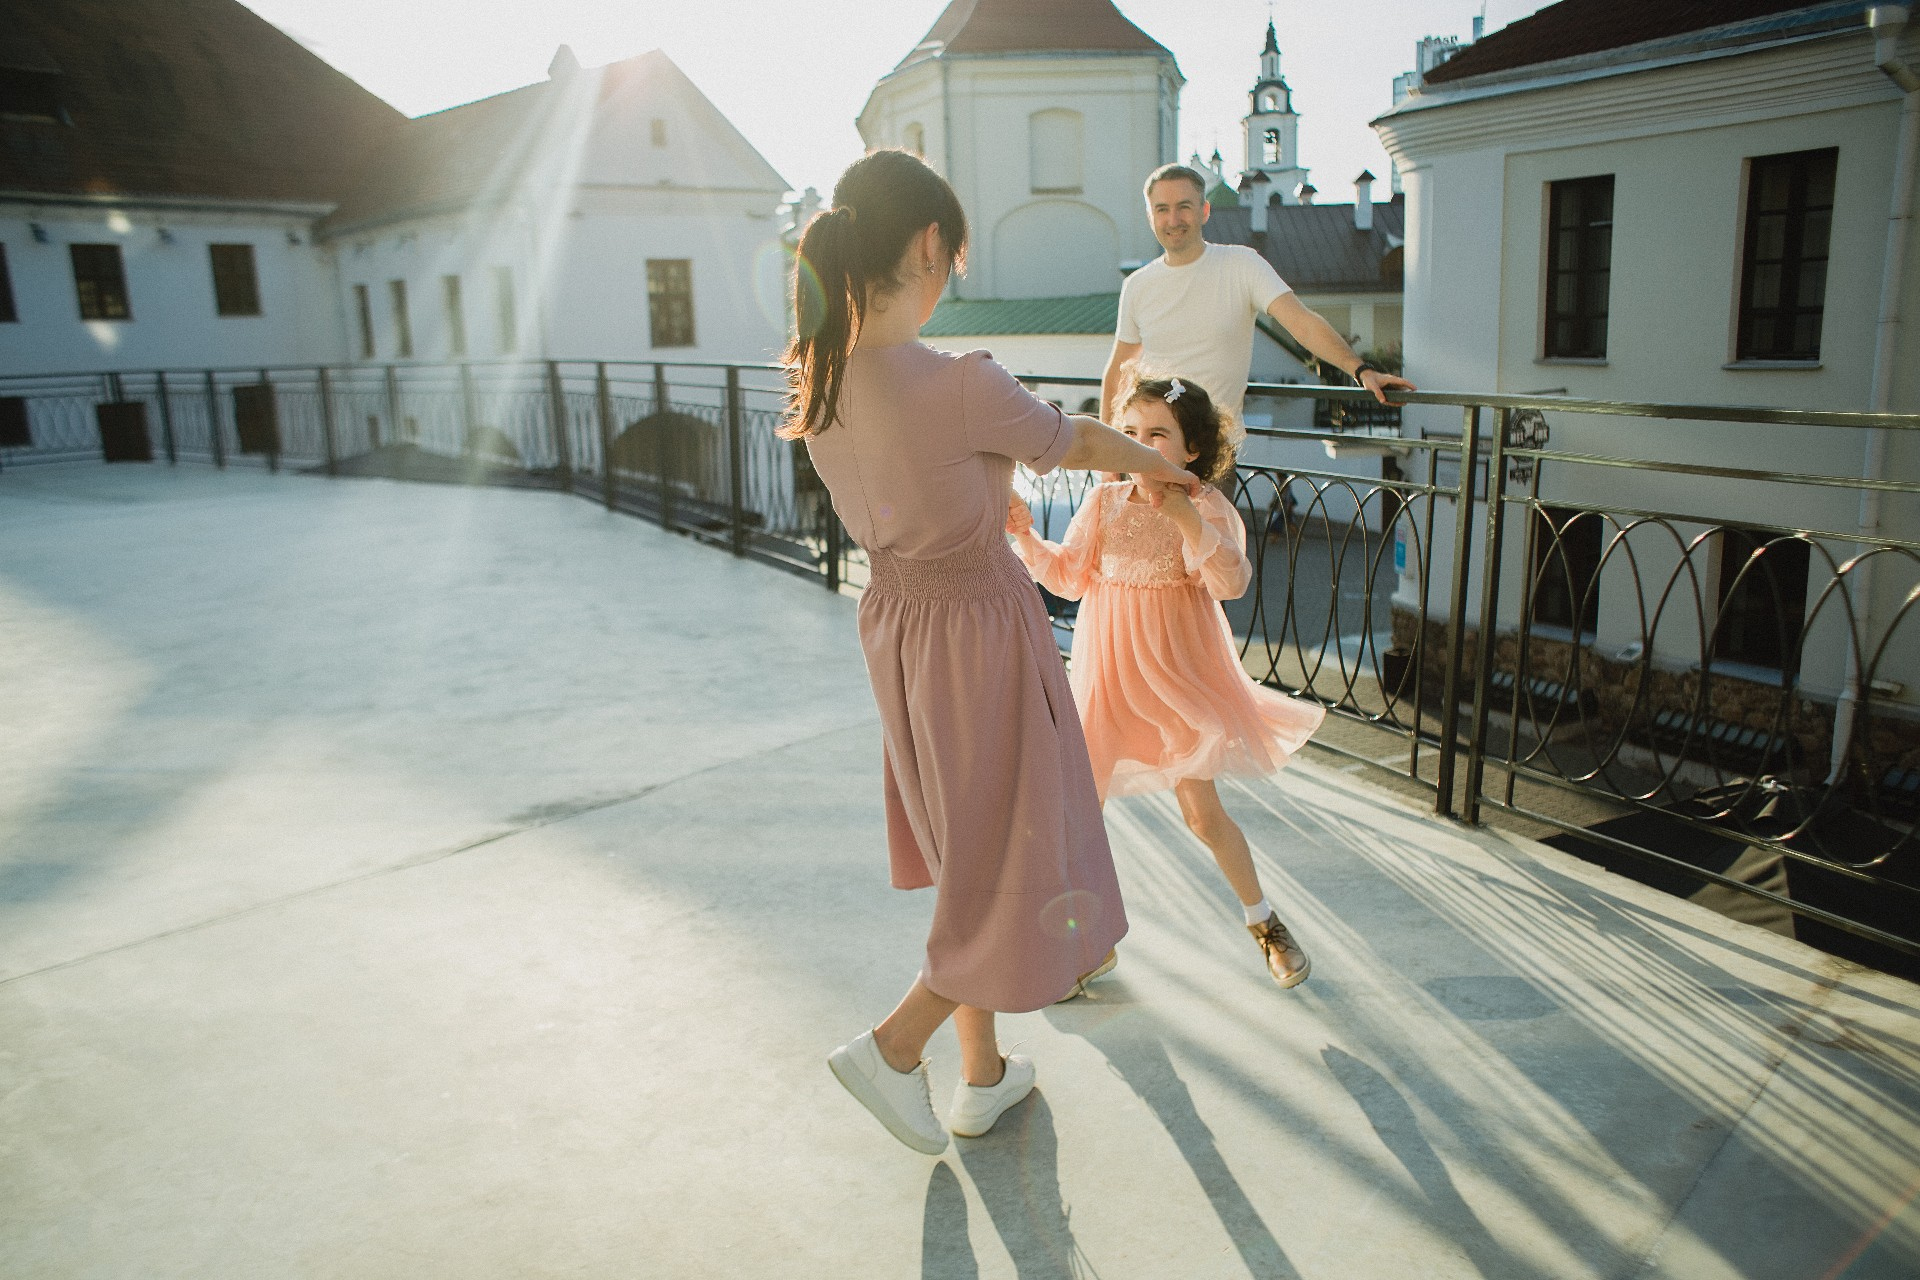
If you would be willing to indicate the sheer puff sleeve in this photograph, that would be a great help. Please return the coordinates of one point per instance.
(1067, 567)
(1219, 559)
(1003, 417)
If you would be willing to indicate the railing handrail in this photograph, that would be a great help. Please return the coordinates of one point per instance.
(1694, 412)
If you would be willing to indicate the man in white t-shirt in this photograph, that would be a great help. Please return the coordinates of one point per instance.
(1191, 311)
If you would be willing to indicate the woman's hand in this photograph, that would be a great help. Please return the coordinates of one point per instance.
(1019, 518)
(1159, 480)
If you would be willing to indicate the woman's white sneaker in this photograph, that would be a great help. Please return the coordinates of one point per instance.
(975, 1109)
(898, 1099)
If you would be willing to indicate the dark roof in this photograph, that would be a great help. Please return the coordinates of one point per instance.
(958, 318)
(1316, 249)
(1033, 26)
(189, 98)
(475, 153)
(1575, 27)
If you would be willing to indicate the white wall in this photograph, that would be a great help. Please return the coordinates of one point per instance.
(1677, 141)
(1127, 105)
(170, 291)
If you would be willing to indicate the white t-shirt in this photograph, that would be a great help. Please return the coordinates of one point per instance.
(1196, 321)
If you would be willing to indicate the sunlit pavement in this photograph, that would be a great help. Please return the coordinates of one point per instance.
(416, 881)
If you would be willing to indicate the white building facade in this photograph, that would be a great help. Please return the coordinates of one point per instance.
(623, 219)
(1045, 115)
(1609, 226)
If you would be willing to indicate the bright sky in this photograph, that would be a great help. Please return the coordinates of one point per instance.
(792, 74)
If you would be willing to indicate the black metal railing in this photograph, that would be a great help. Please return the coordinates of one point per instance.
(1631, 667)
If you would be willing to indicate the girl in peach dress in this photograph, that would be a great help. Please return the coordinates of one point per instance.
(1156, 673)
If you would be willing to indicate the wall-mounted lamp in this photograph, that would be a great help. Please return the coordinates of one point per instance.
(40, 235)
(166, 236)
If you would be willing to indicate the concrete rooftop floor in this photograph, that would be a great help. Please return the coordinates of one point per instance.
(417, 881)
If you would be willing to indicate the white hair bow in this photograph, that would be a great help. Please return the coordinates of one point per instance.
(1176, 391)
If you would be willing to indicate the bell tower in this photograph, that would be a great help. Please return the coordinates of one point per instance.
(1272, 127)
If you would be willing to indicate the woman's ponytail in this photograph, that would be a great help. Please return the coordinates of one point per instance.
(847, 254)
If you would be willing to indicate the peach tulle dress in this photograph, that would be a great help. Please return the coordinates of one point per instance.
(1156, 671)
(988, 791)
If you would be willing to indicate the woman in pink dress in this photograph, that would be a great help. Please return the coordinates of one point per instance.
(1156, 673)
(989, 794)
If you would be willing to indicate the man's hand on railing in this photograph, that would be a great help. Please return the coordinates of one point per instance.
(1380, 383)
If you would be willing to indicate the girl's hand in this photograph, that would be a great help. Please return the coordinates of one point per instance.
(1174, 500)
(1158, 479)
(1019, 518)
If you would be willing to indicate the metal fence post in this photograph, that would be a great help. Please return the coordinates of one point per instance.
(213, 421)
(166, 416)
(393, 404)
(468, 418)
(1456, 613)
(1489, 619)
(834, 549)
(662, 445)
(562, 435)
(326, 423)
(603, 400)
(273, 422)
(736, 463)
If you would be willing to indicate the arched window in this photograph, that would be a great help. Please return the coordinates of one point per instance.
(914, 138)
(1270, 149)
(1054, 150)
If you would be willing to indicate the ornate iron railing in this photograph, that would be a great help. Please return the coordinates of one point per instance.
(1649, 676)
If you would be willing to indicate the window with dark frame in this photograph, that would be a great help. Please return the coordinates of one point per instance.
(30, 95)
(1762, 596)
(402, 321)
(363, 308)
(9, 314)
(670, 301)
(1783, 273)
(504, 315)
(236, 289)
(99, 282)
(456, 315)
(1566, 569)
(1579, 267)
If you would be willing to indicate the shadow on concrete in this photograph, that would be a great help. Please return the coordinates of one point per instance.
(1138, 1054)
(1016, 1168)
(1399, 1131)
(946, 1253)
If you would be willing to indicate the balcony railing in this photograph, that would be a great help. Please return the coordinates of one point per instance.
(1742, 710)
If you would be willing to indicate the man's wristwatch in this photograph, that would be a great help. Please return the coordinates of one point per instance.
(1364, 367)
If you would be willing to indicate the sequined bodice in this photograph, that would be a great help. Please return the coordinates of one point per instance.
(1140, 547)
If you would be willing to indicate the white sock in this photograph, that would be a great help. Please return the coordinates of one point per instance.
(1258, 912)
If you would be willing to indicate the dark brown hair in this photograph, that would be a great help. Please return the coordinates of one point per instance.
(849, 253)
(1209, 429)
(1178, 172)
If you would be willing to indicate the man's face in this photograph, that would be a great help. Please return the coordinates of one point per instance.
(1177, 211)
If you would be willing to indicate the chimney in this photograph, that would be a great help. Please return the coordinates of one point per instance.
(1259, 191)
(564, 65)
(1307, 192)
(1363, 201)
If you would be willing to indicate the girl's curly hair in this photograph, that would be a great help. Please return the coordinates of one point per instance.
(1210, 431)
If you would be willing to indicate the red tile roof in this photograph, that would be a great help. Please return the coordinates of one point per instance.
(1035, 26)
(196, 98)
(1575, 27)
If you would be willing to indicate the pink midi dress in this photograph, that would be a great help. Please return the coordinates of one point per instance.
(1156, 670)
(989, 793)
